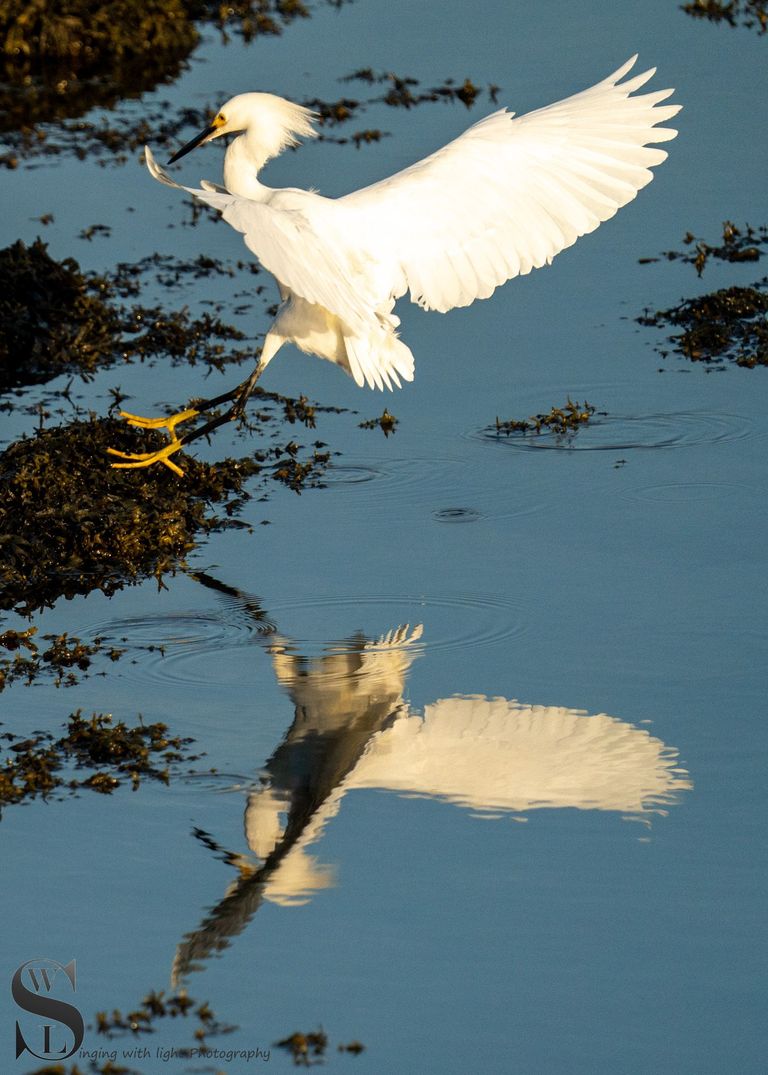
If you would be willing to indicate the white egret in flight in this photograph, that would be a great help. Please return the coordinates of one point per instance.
(501, 199)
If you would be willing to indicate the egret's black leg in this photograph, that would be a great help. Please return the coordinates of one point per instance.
(241, 395)
(245, 391)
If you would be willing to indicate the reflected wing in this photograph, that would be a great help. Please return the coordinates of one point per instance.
(509, 194)
(497, 754)
(304, 251)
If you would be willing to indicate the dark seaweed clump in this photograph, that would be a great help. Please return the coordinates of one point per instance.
(753, 14)
(69, 523)
(155, 1006)
(402, 90)
(305, 1049)
(53, 320)
(64, 656)
(560, 420)
(34, 766)
(309, 1049)
(739, 244)
(729, 325)
(56, 319)
(387, 423)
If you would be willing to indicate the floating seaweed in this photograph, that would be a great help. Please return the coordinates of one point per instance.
(169, 271)
(353, 1047)
(402, 89)
(306, 1049)
(560, 420)
(333, 112)
(64, 656)
(739, 244)
(729, 325)
(250, 18)
(181, 337)
(122, 134)
(155, 1006)
(753, 14)
(112, 139)
(387, 423)
(111, 751)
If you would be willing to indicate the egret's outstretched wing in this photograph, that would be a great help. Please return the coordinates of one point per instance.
(510, 193)
(311, 257)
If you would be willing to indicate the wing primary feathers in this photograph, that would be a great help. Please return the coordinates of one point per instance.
(535, 183)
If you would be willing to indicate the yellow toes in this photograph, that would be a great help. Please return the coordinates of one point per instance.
(168, 422)
(146, 459)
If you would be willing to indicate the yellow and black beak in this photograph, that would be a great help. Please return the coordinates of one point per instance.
(198, 140)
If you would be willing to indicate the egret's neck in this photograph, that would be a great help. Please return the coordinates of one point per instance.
(244, 159)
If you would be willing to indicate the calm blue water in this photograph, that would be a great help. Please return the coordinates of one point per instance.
(527, 832)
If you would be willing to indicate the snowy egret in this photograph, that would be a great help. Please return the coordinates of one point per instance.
(501, 199)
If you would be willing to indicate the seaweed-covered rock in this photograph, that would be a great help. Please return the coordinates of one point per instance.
(56, 319)
(52, 321)
(70, 524)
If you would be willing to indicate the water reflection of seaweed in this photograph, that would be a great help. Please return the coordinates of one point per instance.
(352, 729)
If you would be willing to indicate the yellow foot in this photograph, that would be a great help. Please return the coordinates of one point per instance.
(146, 459)
(170, 422)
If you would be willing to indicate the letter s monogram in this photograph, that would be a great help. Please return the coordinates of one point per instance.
(48, 1007)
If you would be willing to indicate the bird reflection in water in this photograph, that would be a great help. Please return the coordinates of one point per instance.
(353, 729)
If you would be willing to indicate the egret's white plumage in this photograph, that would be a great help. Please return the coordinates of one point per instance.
(501, 199)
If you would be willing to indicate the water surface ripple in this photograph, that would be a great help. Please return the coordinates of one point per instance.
(205, 647)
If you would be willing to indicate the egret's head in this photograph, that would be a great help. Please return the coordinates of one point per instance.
(274, 122)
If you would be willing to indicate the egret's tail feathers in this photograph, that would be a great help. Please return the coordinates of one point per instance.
(379, 361)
